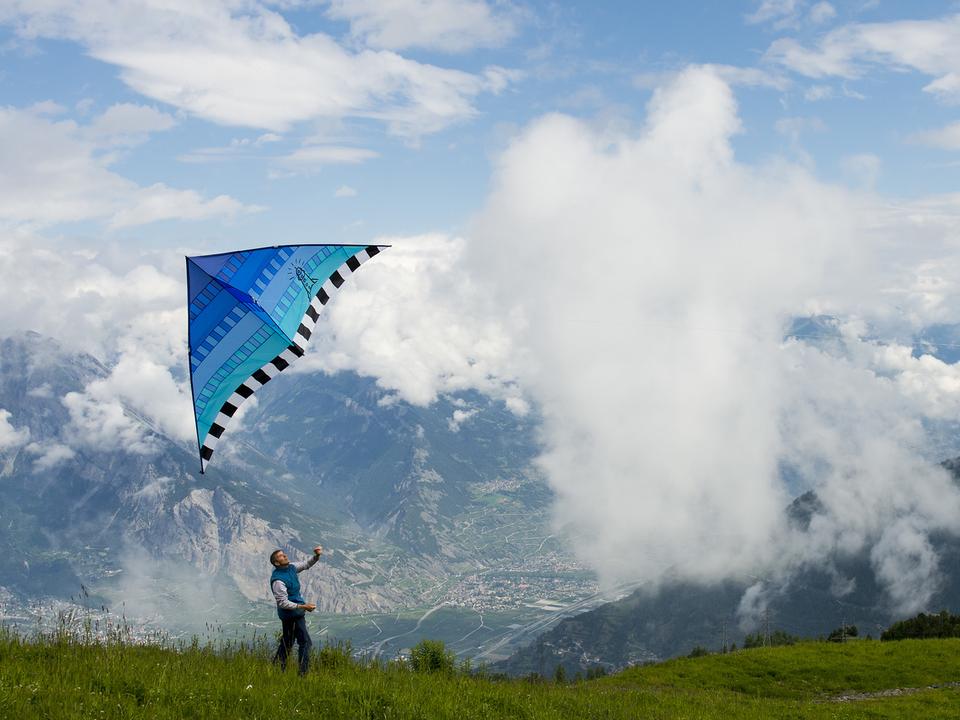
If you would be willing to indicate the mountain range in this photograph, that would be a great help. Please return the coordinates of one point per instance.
(418, 507)
(386, 488)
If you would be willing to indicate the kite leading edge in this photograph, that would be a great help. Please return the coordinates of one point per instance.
(251, 314)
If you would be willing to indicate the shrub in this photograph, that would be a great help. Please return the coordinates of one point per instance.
(335, 656)
(432, 656)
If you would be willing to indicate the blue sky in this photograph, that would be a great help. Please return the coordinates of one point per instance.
(598, 61)
(607, 211)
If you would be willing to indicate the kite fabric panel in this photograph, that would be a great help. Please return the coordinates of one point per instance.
(251, 314)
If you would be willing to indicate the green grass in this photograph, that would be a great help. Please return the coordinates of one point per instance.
(809, 669)
(51, 678)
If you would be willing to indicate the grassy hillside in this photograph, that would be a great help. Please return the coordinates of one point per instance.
(50, 679)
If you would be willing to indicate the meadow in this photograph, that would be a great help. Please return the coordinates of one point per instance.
(63, 677)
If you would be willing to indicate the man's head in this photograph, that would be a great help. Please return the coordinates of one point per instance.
(278, 558)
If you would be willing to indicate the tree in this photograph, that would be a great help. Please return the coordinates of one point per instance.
(941, 625)
(560, 674)
(432, 656)
(597, 671)
(777, 637)
(842, 633)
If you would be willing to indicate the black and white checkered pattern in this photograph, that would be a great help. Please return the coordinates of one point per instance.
(285, 359)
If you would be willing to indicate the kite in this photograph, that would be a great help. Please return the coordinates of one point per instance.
(251, 314)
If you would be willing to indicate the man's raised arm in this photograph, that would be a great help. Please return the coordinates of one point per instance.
(301, 566)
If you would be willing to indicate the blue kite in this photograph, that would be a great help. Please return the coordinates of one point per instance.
(251, 314)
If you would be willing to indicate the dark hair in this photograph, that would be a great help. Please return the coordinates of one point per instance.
(273, 556)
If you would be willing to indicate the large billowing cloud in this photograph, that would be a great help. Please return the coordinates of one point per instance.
(239, 62)
(637, 286)
(654, 276)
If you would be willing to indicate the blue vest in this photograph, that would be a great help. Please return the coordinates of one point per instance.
(288, 576)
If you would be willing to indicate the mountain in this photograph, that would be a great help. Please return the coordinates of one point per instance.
(402, 471)
(406, 499)
(653, 624)
(92, 515)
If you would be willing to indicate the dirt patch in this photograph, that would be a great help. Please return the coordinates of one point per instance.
(892, 692)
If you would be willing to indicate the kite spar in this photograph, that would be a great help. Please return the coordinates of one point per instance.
(251, 314)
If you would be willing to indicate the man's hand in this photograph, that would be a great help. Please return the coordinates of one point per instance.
(309, 607)
(318, 550)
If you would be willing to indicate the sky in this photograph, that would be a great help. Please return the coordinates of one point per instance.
(606, 213)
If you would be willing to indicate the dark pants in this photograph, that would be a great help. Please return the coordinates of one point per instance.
(294, 629)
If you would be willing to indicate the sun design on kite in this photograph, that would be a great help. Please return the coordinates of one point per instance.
(305, 280)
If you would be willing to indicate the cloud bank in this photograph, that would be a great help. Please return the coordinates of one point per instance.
(653, 276)
(637, 288)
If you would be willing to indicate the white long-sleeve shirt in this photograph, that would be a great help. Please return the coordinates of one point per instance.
(280, 589)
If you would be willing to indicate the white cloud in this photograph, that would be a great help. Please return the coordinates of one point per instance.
(127, 124)
(750, 77)
(818, 92)
(98, 420)
(46, 108)
(647, 309)
(782, 13)
(11, 437)
(120, 306)
(243, 148)
(518, 406)
(815, 93)
(458, 418)
(243, 64)
(345, 191)
(862, 169)
(159, 202)
(731, 74)
(932, 383)
(908, 565)
(415, 319)
(315, 156)
(946, 138)
(822, 12)
(41, 391)
(752, 606)
(447, 25)
(53, 173)
(931, 47)
(794, 127)
(946, 88)
(49, 455)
